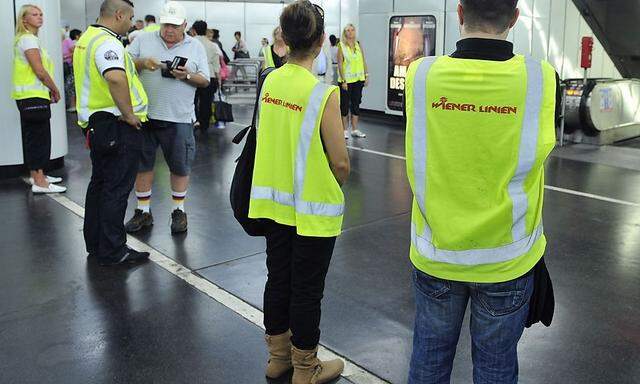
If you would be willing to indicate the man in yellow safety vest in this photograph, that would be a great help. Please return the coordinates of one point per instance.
(111, 104)
(480, 125)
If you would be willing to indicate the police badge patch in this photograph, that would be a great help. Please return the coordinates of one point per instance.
(111, 56)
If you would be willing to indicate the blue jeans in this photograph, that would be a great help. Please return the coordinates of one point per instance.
(498, 315)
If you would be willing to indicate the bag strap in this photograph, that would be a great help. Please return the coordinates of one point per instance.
(263, 75)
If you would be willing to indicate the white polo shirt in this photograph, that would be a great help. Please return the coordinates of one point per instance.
(170, 99)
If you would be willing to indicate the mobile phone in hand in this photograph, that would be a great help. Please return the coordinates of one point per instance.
(178, 61)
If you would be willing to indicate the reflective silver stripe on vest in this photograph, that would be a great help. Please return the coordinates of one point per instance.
(420, 136)
(288, 199)
(34, 87)
(138, 105)
(311, 115)
(526, 160)
(83, 112)
(528, 147)
(475, 256)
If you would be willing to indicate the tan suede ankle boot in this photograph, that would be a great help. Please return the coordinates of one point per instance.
(308, 369)
(279, 355)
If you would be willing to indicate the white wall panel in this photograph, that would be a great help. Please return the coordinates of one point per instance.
(522, 35)
(418, 6)
(540, 38)
(262, 14)
(452, 32)
(10, 134)
(526, 7)
(542, 8)
(349, 13)
(556, 34)
(373, 31)
(571, 64)
(73, 14)
(376, 6)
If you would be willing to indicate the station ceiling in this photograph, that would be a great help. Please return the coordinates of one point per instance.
(616, 23)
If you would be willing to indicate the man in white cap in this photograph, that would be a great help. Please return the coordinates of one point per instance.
(171, 92)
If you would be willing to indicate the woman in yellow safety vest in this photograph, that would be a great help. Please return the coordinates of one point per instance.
(275, 55)
(34, 90)
(352, 69)
(301, 162)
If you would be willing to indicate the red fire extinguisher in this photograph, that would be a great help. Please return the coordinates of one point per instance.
(587, 55)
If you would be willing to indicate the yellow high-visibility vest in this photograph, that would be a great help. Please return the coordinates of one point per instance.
(478, 134)
(25, 82)
(268, 58)
(269, 62)
(92, 90)
(292, 181)
(352, 64)
(152, 27)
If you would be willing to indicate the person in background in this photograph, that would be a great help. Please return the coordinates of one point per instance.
(34, 90)
(137, 29)
(215, 37)
(171, 111)
(275, 55)
(204, 96)
(333, 49)
(240, 51)
(111, 115)
(477, 238)
(322, 65)
(300, 163)
(68, 46)
(353, 77)
(264, 42)
(151, 26)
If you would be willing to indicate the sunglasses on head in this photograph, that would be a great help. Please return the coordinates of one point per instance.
(319, 10)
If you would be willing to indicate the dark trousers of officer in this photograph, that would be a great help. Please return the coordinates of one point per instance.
(115, 154)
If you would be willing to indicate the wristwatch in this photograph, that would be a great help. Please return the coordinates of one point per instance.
(188, 76)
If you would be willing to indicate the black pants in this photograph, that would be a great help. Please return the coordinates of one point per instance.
(35, 120)
(115, 155)
(204, 98)
(350, 99)
(297, 266)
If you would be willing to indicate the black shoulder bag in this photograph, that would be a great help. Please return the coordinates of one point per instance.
(240, 193)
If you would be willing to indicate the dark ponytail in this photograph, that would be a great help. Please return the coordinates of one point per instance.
(302, 26)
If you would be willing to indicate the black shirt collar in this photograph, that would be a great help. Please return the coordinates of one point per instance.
(110, 31)
(483, 49)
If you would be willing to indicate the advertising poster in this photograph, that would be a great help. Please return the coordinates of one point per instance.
(410, 38)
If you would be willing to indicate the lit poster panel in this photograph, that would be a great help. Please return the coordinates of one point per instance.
(410, 38)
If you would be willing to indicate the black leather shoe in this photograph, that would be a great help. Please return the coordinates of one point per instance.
(130, 256)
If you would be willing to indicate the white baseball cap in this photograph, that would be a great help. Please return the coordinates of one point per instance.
(173, 13)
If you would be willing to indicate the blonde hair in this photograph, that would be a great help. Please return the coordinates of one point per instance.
(275, 30)
(21, 29)
(344, 31)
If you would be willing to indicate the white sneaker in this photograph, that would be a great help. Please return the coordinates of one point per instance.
(346, 135)
(52, 189)
(50, 180)
(358, 133)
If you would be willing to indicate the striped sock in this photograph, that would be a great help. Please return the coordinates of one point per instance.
(144, 200)
(178, 200)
